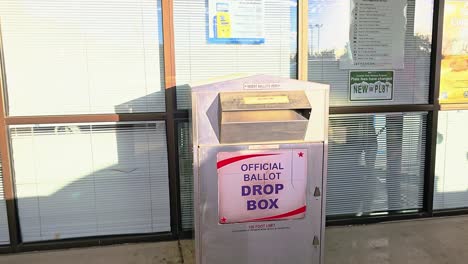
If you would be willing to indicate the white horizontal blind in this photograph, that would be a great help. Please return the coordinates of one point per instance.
(78, 180)
(186, 174)
(451, 174)
(82, 56)
(376, 163)
(196, 60)
(326, 44)
(4, 234)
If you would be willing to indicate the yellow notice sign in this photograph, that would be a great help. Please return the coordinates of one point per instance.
(223, 23)
(454, 65)
(279, 99)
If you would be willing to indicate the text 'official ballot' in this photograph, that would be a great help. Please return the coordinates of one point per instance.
(261, 185)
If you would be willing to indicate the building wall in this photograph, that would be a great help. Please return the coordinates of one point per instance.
(97, 101)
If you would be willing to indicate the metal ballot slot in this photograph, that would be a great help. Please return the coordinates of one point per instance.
(284, 115)
(260, 159)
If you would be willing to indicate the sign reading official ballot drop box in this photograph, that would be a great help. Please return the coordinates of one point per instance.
(261, 185)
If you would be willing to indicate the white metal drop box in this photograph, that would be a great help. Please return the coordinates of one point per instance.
(260, 159)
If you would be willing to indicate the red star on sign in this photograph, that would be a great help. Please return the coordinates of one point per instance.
(223, 220)
(300, 154)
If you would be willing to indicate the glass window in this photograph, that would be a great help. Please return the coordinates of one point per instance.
(375, 163)
(83, 56)
(78, 180)
(198, 60)
(451, 181)
(389, 36)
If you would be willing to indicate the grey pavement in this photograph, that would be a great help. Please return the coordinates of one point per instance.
(437, 240)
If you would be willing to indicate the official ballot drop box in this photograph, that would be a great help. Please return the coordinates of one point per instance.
(260, 148)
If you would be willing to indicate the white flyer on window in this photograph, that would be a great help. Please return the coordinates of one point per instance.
(236, 21)
(376, 35)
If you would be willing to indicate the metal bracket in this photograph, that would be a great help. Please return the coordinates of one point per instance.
(316, 242)
(317, 192)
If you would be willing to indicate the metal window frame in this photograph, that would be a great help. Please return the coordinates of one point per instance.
(169, 116)
(173, 116)
(432, 108)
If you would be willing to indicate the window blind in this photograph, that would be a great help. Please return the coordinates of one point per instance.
(82, 56)
(196, 60)
(4, 234)
(375, 163)
(451, 174)
(78, 180)
(329, 35)
(186, 174)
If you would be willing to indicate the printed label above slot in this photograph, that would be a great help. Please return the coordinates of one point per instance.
(266, 100)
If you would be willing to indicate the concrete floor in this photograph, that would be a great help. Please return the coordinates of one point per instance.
(438, 240)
